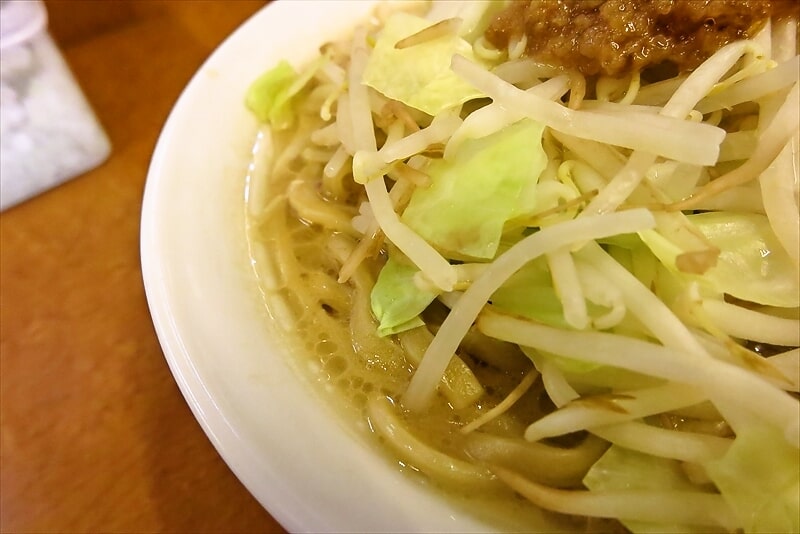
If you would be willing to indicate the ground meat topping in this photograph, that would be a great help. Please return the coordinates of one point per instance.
(614, 37)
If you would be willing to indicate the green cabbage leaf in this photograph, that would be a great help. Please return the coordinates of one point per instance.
(271, 97)
(530, 293)
(624, 469)
(752, 264)
(475, 192)
(419, 75)
(759, 477)
(396, 300)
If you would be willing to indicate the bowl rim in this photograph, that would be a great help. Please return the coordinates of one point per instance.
(284, 481)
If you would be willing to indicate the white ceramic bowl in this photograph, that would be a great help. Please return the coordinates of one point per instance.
(290, 450)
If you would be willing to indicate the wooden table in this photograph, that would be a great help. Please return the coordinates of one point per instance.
(95, 434)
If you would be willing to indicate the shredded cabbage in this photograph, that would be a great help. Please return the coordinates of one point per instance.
(530, 293)
(760, 478)
(396, 300)
(752, 265)
(474, 193)
(419, 75)
(267, 96)
(623, 469)
(273, 95)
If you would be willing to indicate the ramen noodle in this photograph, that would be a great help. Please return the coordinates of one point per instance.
(526, 277)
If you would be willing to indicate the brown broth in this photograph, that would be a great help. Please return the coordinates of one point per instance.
(345, 372)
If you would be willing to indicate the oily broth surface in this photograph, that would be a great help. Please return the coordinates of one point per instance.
(317, 332)
(290, 256)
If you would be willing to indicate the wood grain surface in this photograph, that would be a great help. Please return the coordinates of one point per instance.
(95, 434)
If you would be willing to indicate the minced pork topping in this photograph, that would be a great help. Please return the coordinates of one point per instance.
(615, 37)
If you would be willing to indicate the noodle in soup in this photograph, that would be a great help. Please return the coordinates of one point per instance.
(527, 279)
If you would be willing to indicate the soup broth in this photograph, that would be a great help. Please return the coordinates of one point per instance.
(540, 282)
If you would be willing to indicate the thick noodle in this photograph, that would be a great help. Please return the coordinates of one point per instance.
(614, 320)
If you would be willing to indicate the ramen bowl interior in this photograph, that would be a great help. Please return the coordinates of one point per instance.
(291, 451)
